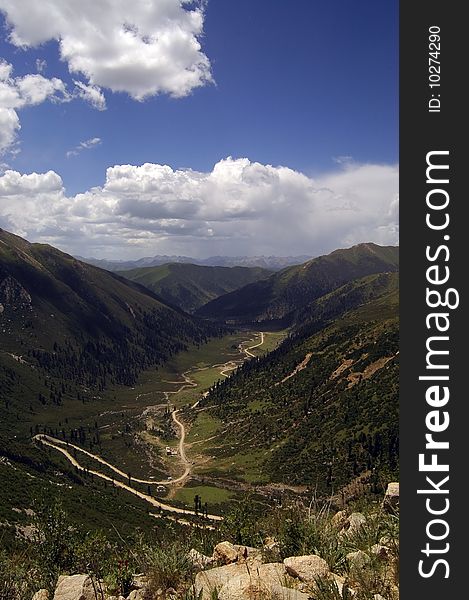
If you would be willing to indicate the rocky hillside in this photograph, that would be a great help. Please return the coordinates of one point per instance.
(279, 299)
(309, 555)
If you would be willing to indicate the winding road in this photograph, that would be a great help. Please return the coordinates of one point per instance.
(246, 350)
(63, 447)
(182, 450)
(46, 440)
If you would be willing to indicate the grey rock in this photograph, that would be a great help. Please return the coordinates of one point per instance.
(254, 587)
(207, 582)
(12, 293)
(307, 568)
(74, 587)
(225, 553)
(273, 572)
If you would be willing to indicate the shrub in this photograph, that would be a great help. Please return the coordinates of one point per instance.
(17, 577)
(54, 542)
(167, 565)
(241, 524)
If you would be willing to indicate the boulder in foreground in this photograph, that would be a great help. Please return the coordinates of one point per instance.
(75, 587)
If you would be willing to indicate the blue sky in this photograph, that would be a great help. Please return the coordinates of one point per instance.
(299, 85)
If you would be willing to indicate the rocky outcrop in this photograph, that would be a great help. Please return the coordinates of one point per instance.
(254, 587)
(236, 572)
(237, 581)
(294, 579)
(13, 294)
(214, 579)
(75, 587)
(226, 553)
(275, 572)
(307, 568)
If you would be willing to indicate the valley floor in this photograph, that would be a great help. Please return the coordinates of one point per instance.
(135, 446)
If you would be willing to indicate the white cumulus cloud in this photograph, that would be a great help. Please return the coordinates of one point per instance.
(39, 196)
(239, 207)
(13, 183)
(143, 48)
(34, 89)
(18, 92)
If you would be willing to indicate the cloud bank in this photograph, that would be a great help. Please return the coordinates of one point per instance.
(152, 49)
(239, 207)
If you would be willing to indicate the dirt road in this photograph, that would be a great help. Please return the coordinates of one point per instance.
(47, 441)
(246, 350)
(182, 450)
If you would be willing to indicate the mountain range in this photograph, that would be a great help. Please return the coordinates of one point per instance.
(320, 410)
(272, 263)
(280, 299)
(191, 286)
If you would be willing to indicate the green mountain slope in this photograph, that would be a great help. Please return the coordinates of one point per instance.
(73, 324)
(322, 409)
(191, 286)
(278, 299)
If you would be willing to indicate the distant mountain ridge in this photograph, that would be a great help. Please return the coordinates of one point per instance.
(280, 298)
(191, 286)
(272, 263)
